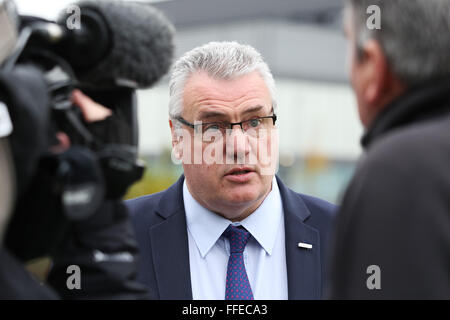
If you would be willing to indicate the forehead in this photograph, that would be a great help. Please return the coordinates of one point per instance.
(204, 92)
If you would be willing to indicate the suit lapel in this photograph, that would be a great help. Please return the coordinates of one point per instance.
(303, 265)
(170, 247)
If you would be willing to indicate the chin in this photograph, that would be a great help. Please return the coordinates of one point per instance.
(242, 194)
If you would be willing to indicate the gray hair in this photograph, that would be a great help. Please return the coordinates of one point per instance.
(221, 60)
(413, 35)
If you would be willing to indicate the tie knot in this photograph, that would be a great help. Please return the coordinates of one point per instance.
(238, 238)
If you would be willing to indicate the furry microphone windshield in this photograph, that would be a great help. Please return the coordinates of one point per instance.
(135, 40)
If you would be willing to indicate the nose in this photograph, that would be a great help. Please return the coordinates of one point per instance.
(237, 145)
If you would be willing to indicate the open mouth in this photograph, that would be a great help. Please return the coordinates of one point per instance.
(236, 173)
(239, 171)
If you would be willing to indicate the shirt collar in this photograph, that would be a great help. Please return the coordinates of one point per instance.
(264, 222)
(206, 227)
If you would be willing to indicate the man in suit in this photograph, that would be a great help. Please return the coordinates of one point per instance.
(228, 228)
(393, 229)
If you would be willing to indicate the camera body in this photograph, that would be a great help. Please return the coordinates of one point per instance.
(68, 200)
(57, 189)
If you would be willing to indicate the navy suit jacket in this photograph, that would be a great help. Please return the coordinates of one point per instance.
(160, 225)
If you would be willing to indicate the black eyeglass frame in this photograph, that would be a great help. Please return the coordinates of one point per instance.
(231, 124)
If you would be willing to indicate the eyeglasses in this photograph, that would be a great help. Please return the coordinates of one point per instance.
(251, 126)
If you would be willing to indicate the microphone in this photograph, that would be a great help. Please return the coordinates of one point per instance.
(136, 41)
(118, 43)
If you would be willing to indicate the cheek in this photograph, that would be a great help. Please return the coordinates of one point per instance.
(356, 85)
(360, 101)
(355, 80)
(353, 65)
(349, 57)
(354, 75)
(266, 151)
(206, 177)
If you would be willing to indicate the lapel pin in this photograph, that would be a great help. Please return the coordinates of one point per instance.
(305, 245)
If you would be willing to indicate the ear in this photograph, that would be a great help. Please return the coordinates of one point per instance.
(376, 72)
(176, 141)
(174, 135)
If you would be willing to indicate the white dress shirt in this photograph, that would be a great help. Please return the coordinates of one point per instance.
(264, 254)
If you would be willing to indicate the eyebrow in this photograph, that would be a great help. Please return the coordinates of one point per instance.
(253, 109)
(212, 114)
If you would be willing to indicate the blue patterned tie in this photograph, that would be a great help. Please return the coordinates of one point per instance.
(237, 286)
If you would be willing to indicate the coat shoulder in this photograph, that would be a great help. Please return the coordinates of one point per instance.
(315, 212)
(409, 148)
(143, 209)
(319, 205)
(322, 212)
